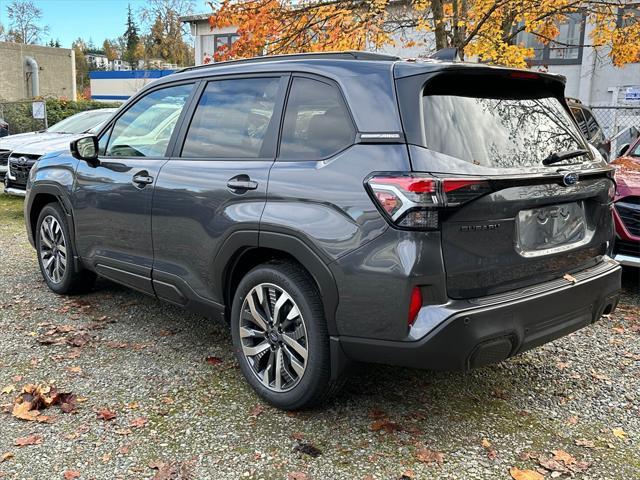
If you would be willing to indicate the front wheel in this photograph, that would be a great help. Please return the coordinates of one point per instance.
(280, 336)
(56, 253)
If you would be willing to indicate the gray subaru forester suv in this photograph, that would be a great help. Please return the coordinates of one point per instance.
(339, 208)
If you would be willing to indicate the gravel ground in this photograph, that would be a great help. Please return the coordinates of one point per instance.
(182, 409)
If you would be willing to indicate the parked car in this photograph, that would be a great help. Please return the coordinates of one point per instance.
(4, 128)
(342, 207)
(23, 157)
(626, 212)
(590, 127)
(75, 124)
(4, 131)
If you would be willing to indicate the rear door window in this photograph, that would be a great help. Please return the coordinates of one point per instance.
(509, 131)
(317, 123)
(232, 119)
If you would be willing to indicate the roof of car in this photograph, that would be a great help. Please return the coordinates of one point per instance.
(362, 76)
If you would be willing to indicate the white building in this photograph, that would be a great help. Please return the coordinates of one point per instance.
(119, 65)
(591, 76)
(97, 61)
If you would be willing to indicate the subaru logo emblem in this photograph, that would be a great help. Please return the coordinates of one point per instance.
(22, 161)
(570, 179)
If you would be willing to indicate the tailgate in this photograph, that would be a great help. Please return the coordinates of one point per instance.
(521, 234)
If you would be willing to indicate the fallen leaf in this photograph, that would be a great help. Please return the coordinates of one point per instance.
(570, 278)
(583, 442)
(486, 443)
(24, 411)
(256, 410)
(6, 456)
(30, 440)
(564, 457)
(552, 465)
(426, 455)
(76, 370)
(67, 402)
(297, 436)
(297, 476)
(619, 433)
(124, 450)
(518, 474)
(307, 448)
(579, 467)
(138, 422)
(573, 420)
(8, 389)
(408, 475)
(71, 474)
(213, 360)
(386, 425)
(106, 414)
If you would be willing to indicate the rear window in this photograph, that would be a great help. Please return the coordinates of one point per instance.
(499, 132)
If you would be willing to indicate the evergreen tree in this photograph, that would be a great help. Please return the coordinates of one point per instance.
(57, 44)
(132, 40)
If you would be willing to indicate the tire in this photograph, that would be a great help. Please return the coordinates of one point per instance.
(54, 247)
(287, 284)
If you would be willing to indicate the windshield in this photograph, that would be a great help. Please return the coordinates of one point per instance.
(81, 122)
(500, 132)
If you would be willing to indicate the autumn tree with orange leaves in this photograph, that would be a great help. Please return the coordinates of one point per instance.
(484, 29)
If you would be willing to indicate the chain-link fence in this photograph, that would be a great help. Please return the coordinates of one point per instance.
(621, 124)
(24, 116)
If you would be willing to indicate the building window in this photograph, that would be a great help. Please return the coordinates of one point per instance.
(218, 43)
(628, 17)
(566, 49)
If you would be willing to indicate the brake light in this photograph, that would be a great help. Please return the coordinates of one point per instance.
(414, 304)
(413, 201)
(527, 75)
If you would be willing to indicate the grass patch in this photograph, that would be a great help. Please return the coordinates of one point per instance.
(11, 208)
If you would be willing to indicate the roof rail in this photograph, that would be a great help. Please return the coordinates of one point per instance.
(346, 55)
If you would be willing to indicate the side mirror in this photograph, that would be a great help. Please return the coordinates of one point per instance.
(86, 148)
(624, 148)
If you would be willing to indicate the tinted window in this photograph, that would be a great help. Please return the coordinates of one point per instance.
(145, 129)
(499, 132)
(231, 119)
(316, 123)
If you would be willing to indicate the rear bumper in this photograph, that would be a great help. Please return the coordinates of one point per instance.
(491, 329)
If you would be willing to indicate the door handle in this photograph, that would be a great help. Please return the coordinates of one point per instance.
(142, 179)
(242, 182)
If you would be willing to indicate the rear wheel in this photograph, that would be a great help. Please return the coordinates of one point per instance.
(56, 253)
(280, 336)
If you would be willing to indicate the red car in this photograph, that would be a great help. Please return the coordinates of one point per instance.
(627, 206)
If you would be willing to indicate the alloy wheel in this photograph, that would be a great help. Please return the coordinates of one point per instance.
(53, 249)
(273, 336)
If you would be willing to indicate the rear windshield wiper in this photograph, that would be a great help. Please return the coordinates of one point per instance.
(566, 155)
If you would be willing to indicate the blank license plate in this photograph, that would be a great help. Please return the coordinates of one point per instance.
(551, 229)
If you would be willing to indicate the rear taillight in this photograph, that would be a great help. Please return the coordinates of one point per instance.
(414, 201)
(414, 304)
